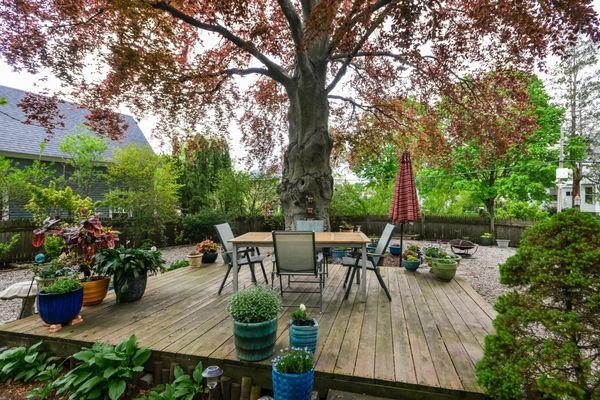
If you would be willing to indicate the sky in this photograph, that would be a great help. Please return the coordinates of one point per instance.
(35, 83)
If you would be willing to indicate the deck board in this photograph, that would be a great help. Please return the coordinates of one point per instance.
(428, 338)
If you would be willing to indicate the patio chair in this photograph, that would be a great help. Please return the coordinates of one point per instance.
(249, 256)
(374, 260)
(315, 225)
(296, 255)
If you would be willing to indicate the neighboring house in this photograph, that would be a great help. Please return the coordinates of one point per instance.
(21, 143)
(589, 195)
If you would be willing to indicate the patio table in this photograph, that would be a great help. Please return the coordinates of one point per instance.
(357, 240)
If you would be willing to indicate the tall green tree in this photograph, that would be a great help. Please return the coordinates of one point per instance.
(201, 159)
(85, 151)
(578, 84)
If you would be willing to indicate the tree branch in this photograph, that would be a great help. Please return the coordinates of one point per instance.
(275, 70)
(296, 28)
(228, 72)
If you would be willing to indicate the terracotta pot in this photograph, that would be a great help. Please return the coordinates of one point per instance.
(94, 291)
(195, 260)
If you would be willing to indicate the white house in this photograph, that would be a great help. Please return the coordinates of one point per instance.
(589, 195)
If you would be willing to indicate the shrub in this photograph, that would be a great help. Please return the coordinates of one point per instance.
(6, 247)
(547, 340)
(25, 364)
(62, 286)
(104, 371)
(53, 246)
(200, 226)
(183, 387)
(294, 361)
(254, 304)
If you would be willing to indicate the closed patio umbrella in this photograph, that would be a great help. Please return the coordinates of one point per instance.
(405, 205)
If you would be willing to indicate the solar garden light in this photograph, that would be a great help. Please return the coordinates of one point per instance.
(212, 375)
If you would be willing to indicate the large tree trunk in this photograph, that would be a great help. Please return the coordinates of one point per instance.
(306, 168)
(576, 191)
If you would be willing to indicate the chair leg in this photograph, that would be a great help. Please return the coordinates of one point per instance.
(321, 281)
(253, 274)
(350, 284)
(225, 279)
(347, 276)
(272, 279)
(358, 275)
(289, 280)
(262, 266)
(281, 286)
(382, 283)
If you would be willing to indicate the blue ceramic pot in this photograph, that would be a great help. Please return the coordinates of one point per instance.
(371, 247)
(60, 308)
(338, 254)
(292, 386)
(395, 250)
(304, 336)
(486, 241)
(411, 265)
(255, 342)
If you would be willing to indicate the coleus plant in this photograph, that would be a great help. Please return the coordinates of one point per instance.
(82, 239)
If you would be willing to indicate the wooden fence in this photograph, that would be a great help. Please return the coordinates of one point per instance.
(430, 227)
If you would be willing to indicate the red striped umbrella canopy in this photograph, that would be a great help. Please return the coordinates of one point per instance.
(405, 205)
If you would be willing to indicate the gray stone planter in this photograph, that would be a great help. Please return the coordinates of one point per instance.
(503, 243)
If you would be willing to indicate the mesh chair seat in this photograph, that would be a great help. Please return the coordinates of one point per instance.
(355, 262)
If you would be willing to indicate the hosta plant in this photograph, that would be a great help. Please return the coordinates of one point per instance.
(104, 371)
(184, 387)
(24, 364)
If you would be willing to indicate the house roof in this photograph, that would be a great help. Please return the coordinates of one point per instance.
(21, 140)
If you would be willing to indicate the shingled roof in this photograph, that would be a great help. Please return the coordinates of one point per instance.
(21, 140)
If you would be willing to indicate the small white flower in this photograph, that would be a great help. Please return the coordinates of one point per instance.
(153, 248)
(302, 307)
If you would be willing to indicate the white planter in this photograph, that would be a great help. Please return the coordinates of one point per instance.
(503, 243)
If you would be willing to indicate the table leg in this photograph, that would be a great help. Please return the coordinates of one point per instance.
(234, 261)
(363, 281)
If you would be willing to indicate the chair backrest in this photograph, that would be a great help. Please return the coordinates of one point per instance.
(225, 234)
(295, 252)
(313, 225)
(383, 243)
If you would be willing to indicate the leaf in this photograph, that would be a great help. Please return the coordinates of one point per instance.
(116, 389)
(177, 371)
(197, 375)
(84, 355)
(30, 358)
(141, 356)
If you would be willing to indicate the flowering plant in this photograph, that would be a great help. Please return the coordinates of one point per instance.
(294, 361)
(301, 318)
(486, 235)
(207, 246)
(412, 253)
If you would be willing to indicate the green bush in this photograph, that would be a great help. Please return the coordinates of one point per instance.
(25, 364)
(104, 371)
(547, 340)
(294, 361)
(200, 226)
(6, 247)
(254, 304)
(53, 247)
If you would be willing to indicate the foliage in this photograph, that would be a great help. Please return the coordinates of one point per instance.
(355, 199)
(300, 317)
(487, 235)
(522, 210)
(49, 375)
(411, 253)
(243, 194)
(547, 340)
(200, 226)
(124, 263)
(254, 304)
(25, 363)
(85, 151)
(53, 269)
(63, 285)
(436, 252)
(200, 158)
(6, 247)
(177, 264)
(294, 361)
(145, 188)
(207, 246)
(83, 239)
(51, 202)
(184, 387)
(104, 371)
(53, 246)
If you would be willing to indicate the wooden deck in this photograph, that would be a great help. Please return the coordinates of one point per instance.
(422, 345)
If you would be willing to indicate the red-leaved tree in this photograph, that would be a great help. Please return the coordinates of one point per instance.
(310, 59)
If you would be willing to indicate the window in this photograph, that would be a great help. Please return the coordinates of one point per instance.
(589, 194)
(568, 193)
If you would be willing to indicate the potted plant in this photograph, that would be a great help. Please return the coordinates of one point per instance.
(82, 240)
(293, 375)
(209, 251)
(129, 269)
(254, 312)
(60, 302)
(345, 226)
(411, 258)
(486, 239)
(503, 243)
(442, 264)
(339, 253)
(194, 258)
(395, 250)
(46, 274)
(304, 330)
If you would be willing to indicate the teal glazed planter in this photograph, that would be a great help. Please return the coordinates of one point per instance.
(395, 250)
(292, 386)
(486, 241)
(304, 337)
(255, 342)
(411, 265)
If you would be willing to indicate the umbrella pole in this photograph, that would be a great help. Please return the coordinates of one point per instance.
(401, 239)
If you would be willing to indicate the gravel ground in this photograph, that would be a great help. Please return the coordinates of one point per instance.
(481, 271)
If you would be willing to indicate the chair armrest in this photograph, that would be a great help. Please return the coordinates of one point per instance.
(370, 256)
